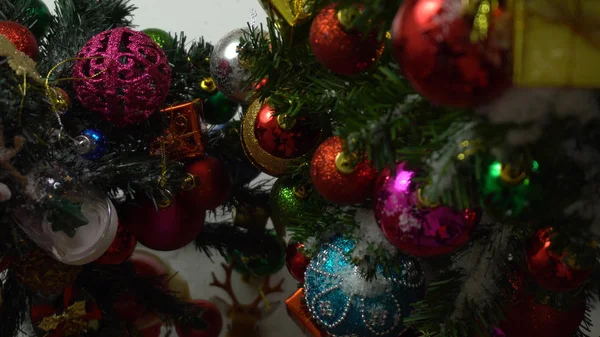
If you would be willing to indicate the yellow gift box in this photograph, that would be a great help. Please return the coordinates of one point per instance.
(557, 43)
(294, 12)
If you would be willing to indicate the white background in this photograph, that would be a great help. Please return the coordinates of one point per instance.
(213, 19)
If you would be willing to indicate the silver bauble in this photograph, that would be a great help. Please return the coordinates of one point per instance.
(227, 70)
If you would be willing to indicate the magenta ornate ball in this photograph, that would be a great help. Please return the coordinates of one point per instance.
(414, 225)
(123, 75)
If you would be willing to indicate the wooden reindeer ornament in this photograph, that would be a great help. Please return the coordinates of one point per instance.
(244, 318)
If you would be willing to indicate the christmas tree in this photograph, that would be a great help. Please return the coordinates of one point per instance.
(435, 163)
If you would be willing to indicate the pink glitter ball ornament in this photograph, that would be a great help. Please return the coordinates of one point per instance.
(123, 75)
(414, 225)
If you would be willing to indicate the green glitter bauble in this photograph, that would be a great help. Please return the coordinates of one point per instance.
(289, 201)
(160, 37)
(219, 109)
(38, 10)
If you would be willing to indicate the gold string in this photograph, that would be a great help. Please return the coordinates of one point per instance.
(55, 99)
(23, 94)
(265, 299)
(73, 78)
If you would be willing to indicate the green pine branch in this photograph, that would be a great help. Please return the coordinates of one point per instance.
(107, 284)
(75, 22)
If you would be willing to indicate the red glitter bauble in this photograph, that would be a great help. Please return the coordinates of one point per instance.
(343, 52)
(122, 75)
(210, 187)
(281, 140)
(415, 225)
(164, 229)
(551, 270)
(212, 317)
(525, 316)
(295, 261)
(432, 43)
(336, 178)
(121, 248)
(21, 37)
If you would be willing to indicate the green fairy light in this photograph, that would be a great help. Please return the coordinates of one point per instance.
(496, 169)
(506, 194)
(535, 166)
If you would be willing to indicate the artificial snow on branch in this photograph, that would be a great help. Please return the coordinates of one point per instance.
(482, 266)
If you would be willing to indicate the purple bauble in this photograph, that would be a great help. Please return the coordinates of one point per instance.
(123, 75)
(413, 226)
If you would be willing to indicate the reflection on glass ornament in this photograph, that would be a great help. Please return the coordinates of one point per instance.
(415, 225)
(227, 69)
(344, 303)
(90, 240)
(90, 144)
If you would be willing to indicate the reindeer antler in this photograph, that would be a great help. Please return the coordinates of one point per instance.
(266, 290)
(6, 155)
(226, 285)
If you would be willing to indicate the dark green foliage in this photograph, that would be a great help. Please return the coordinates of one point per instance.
(15, 307)
(106, 284)
(76, 21)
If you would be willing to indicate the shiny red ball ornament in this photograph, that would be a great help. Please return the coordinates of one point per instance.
(208, 185)
(5, 262)
(341, 50)
(166, 228)
(283, 137)
(434, 44)
(415, 225)
(525, 316)
(121, 248)
(21, 37)
(212, 317)
(127, 307)
(551, 270)
(153, 331)
(341, 178)
(295, 261)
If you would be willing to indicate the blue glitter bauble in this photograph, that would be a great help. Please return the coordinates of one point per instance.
(91, 144)
(344, 303)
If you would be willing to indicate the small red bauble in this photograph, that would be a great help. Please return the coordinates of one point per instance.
(210, 186)
(287, 141)
(164, 229)
(415, 225)
(341, 51)
(551, 270)
(212, 317)
(21, 37)
(274, 143)
(335, 176)
(295, 261)
(121, 248)
(525, 316)
(432, 43)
